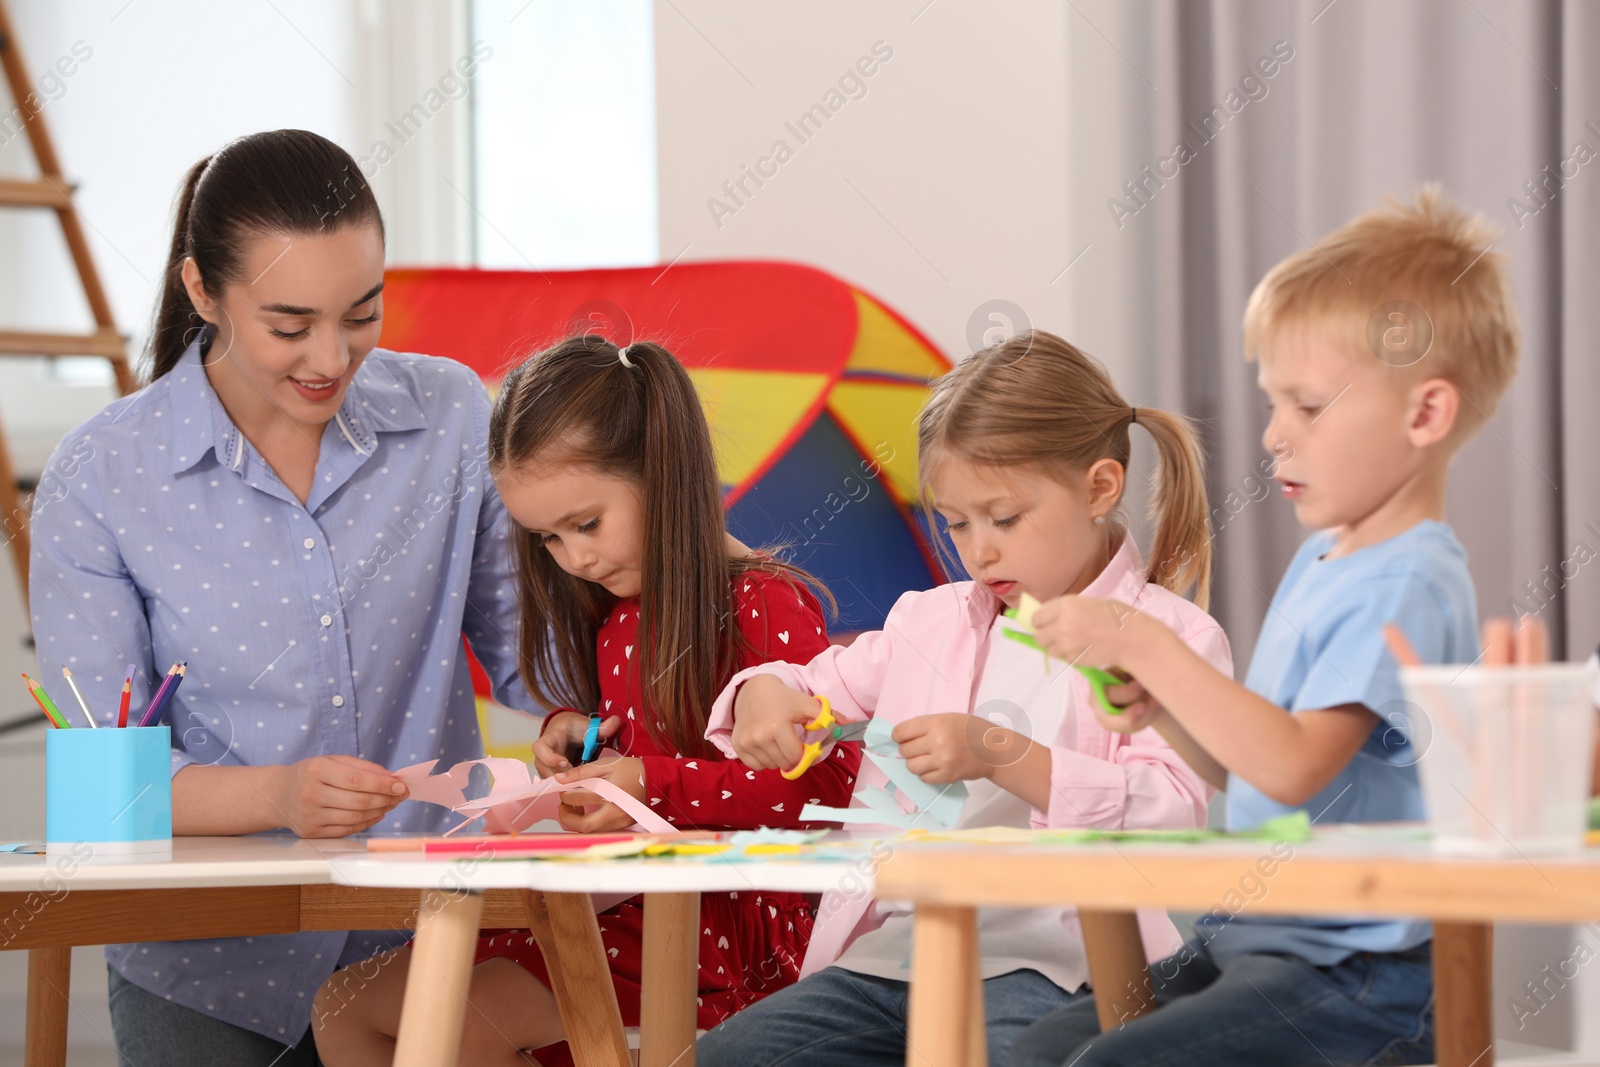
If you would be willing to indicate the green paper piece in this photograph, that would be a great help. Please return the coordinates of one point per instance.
(1294, 828)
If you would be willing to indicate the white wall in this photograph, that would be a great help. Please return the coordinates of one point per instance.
(938, 190)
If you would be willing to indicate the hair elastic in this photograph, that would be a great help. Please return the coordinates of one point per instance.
(1133, 415)
(622, 354)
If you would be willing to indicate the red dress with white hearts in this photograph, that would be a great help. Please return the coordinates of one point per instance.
(751, 943)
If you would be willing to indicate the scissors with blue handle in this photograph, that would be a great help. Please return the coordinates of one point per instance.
(591, 740)
(832, 730)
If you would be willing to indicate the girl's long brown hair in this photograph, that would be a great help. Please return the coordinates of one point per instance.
(577, 403)
(1037, 401)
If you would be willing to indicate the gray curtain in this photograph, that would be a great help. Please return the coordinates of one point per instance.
(1378, 97)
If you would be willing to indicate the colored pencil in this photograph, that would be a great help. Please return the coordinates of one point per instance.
(161, 691)
(127, 695)
(55, 720)
(46, 703)
(172, 693)
(82, 703)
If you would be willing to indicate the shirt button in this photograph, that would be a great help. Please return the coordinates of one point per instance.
(327, 620)
(310, 543)
(338, 701)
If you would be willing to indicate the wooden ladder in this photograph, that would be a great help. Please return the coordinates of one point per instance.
(50, 190)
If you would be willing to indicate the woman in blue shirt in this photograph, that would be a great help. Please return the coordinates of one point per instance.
(308, 521)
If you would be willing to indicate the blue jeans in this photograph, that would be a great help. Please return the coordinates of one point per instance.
(838, 1018)
(152, 1030)
(1374, 1008)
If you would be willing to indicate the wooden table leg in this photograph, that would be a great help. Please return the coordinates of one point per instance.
(977, 1019)
(568, 933)
(944, 961)
(671, 979)
(1463, 964)
(1115, 951)
(49, 978)
(439, 979)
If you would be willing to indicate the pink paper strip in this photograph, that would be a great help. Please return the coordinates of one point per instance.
(515, 801)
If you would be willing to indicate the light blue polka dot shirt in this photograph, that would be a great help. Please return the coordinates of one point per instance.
(160, 534)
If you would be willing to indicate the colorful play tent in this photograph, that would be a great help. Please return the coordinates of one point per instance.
(811, 387)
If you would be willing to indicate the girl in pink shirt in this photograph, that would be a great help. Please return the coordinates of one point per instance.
(1023, 453)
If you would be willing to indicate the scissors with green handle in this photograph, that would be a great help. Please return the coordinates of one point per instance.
(1098, 679)
(832, 731)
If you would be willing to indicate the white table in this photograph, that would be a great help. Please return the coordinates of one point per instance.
(213, 887)
(205, 887)
(562, 919)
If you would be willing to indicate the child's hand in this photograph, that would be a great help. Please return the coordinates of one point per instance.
(332, 796)
(561, 735)
(1085, 630)
(589, 813)
(955, 747)
(1139, 708)
(765, 714)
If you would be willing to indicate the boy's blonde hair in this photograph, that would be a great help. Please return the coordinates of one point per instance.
(1037, 401)
(1415, 285)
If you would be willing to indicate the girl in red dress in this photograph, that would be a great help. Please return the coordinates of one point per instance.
(638, 604)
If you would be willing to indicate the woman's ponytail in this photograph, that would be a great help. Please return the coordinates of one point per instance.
(175, 314)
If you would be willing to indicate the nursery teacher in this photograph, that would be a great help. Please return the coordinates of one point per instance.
(308, 521)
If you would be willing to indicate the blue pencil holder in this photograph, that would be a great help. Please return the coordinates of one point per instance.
(110, 788)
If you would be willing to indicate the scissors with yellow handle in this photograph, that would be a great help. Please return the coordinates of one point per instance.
(832, 730)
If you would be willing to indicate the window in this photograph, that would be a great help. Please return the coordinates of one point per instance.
(564, 135)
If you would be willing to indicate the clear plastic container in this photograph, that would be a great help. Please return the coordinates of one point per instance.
(1505, 755)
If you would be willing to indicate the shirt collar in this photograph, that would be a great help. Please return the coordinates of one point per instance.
(377, 401)
(1123, 579)
(200, 424)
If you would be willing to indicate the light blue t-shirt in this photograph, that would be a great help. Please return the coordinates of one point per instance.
(1322, 646)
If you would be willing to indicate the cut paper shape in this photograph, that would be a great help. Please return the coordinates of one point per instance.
(912, 802)
(942, 802)
(1294, 828)
(514, 801)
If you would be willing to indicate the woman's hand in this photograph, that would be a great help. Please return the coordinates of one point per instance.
(334, 796)
(588, 812)
(561, 735)
(956, 747)
(765, 714)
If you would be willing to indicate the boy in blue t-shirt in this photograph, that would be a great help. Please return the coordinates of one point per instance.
(1382, 349)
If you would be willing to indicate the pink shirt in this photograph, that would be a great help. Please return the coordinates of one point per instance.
(926, 660)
